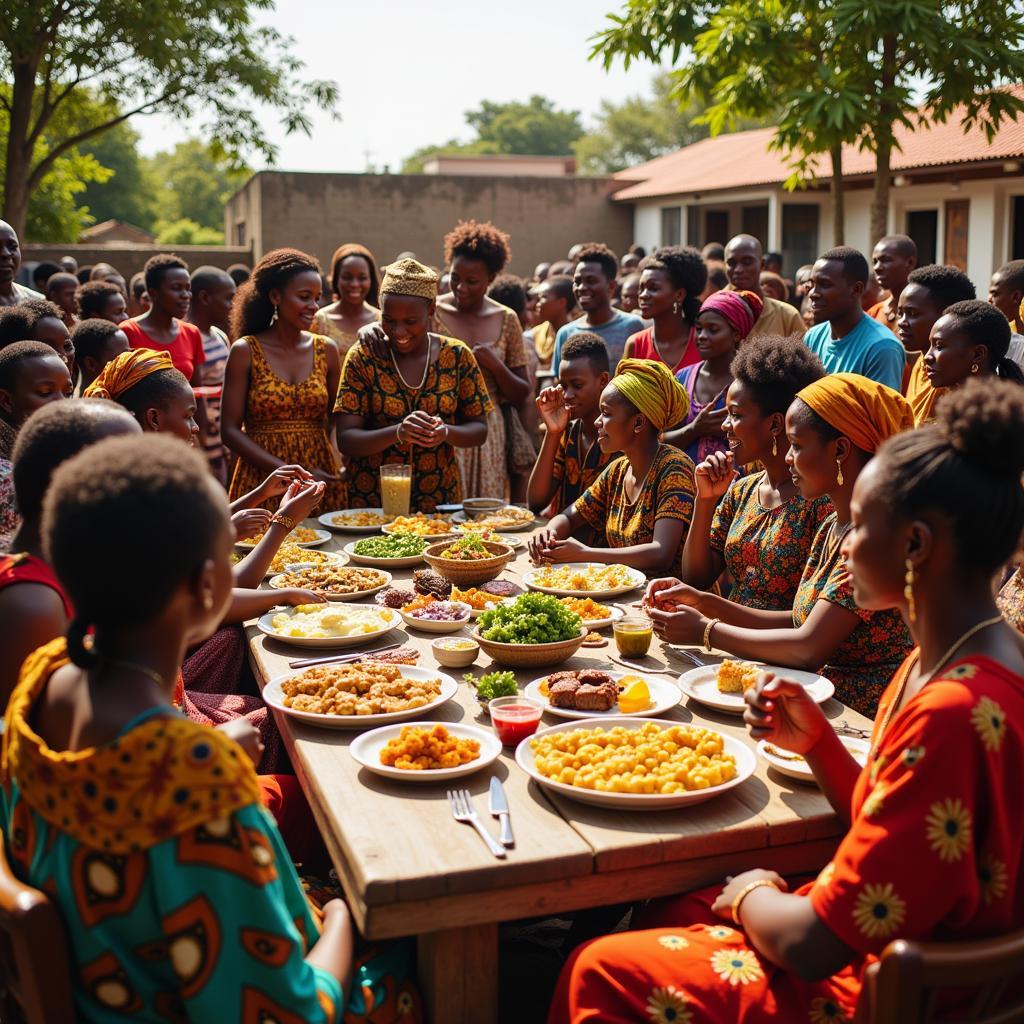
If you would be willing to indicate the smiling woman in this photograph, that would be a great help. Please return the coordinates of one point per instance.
(280, 379)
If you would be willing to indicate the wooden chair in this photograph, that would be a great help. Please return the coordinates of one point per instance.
(906, 985)
(35, 974)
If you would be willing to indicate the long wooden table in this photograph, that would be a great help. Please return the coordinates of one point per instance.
(408, 868)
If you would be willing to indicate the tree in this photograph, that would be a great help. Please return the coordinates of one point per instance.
(129, 193)
(208, 61)
(846, 71)
(188, 232)
(536, 128)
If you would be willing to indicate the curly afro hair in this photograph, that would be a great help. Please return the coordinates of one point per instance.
(17, 323)
(510, 291)
(686, 269)
(946, 284)
(115, 497)
(590, 346)
(966, 465)
(599, 253)
(773, 369)
(855, 264)
(89, 337)
(92, 298)
(478, 241)
(252, 310)
(157, 266)
(15, 355)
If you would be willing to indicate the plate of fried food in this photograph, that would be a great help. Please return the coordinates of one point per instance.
(796, 766)
(594, 615)
(597, 761)
(359, 694)
(421, 525)
(591, 692)
(509, 517)
(335, 582)
(328, 625)
(722, 686)
(486, 533)
(426, 751)
(584, 579)
(486, 596)
(354, 520)
(301, 536)
(289, 554)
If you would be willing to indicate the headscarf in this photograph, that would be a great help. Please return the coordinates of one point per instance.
(741, 309)
(409, 277)
(124, 371)
(859, 408)
(651, 387)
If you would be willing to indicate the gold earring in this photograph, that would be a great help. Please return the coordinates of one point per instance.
(676, 306)
(775, 444)
(273, 318)
(908, 592)
(975, 367)
(839, 473)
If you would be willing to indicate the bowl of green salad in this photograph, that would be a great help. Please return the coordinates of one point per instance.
(530, 631)
(388, 551)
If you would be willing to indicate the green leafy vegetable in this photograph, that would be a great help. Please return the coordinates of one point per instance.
(530, 619)
(493, 684)
(393, 545)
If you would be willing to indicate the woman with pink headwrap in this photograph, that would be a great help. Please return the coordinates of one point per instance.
(725, 319)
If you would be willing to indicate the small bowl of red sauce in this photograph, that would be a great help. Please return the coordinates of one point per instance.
(514, 718)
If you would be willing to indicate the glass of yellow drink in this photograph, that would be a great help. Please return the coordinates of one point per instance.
(395, 489)
(633, 636)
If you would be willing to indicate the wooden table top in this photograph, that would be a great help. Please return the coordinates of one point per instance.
(396, 843)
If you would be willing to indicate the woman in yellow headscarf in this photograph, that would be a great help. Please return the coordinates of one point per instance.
(642, 501)
(834, 427)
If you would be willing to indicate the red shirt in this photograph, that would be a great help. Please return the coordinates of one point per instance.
(24, 568)
(186, 351)
(643, 348)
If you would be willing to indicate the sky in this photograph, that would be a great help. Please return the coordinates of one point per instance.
(408, 70)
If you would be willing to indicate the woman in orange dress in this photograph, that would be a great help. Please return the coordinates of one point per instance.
(931, 854)
(281, 380)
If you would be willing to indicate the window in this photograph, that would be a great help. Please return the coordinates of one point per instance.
(799, 235)
(1017, 228)
(754, 221)
(923, 228)
(671, 225)
(955, 247)
(716, 227)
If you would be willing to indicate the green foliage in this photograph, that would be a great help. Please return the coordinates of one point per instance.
(493, 684)
(129, 194)
(530, 619)
(187, 232)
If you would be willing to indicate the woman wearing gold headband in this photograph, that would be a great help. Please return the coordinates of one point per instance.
(415, 402)
(834, 427)
(643, 501)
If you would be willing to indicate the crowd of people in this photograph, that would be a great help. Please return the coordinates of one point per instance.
(821, 473)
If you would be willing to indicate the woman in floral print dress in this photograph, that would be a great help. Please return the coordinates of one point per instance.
(931, 854)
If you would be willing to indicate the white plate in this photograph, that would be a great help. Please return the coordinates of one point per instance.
(436, 625)
(430, 538)
(461, 517)
(333, 557)
(405, 562)
(699, 683)
(275, 582)
(665, 695)
(801, 770)
(501, 538)
(266, 625)
(327, 519)
(322, 537)
(746, 762)
(367, 747)
(592, 624)
(274, 696)
(529, 578)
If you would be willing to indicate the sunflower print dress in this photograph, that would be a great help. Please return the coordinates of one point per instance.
(1010, 600)
(866, 660)
(291, 421)
(454, 390)
(931, 855)
(765, 549)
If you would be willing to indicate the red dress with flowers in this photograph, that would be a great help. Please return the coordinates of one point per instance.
(933, 853)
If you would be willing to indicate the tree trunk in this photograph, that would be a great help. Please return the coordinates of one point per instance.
(883, 142)
(838, 197)
(19, 150)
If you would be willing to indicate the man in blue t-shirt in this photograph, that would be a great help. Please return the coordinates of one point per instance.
(593, 284)
(844, 337)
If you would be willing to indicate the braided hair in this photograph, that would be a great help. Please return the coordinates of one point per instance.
(253, 311)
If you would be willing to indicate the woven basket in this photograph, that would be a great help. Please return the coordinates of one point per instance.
(530, 655)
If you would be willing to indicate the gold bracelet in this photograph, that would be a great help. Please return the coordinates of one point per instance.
(286, 521)
(745, 892)
(707, 634)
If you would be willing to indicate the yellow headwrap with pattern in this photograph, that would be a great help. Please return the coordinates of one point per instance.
(859, 408)
(124, 371)
(651, 387)
(409, 277)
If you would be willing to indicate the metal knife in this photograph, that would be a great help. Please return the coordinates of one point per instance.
(499, 809)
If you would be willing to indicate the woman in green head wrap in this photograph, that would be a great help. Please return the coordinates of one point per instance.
(643, 501)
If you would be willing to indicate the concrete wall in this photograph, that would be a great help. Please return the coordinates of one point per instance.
(394, 213)
(130, 258)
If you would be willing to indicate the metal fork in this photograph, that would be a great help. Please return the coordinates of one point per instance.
(462, 810)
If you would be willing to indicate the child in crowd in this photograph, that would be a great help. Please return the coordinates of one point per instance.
(101, 300)
(37, 320)
(556, 305)
(31, 375)
(96, 342)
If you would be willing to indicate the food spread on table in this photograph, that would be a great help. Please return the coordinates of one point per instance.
(300, 535)
(593, 690)
(438, 611)
(530, 619)
(361, 688)
(736, 676)
(396, 656)
(358, 518)
(650, 759)
(503, 518)
(324, 620)
(467, 549)
(592, 578)
(421, 525)
(426, 581)
(587, 608)
(395, 597)
(493, 684)
(392, 545)
(291, 554)
(416, 749)
(477, 598)
(331, 579)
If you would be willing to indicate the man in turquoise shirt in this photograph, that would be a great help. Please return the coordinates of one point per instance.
(844, 337)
